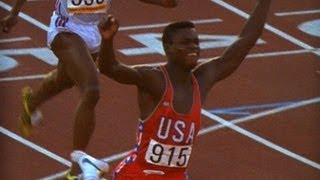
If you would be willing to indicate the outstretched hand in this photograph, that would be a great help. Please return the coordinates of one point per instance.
(108, 27)
(8, 22)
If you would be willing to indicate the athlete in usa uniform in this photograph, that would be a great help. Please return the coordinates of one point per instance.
(164, 139)
(169, 96)
(74, 38)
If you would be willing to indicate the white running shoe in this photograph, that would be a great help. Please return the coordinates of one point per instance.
(90, 166)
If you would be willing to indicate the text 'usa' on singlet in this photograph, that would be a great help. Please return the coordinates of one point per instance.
(164, 139)
(83, 11)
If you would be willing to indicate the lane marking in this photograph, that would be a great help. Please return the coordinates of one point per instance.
(207, 130)
(261, 140)
(7, 63)
(283, 53)
(262, 114)
(148, 26)
(257, 55)
(267, 26)
(42, 54)
(314, 11)
(295, 41)
(109, 159)
(25, 17)
(21, 78)
(311, 27)
(247, 110)
(34, 146)
(11, 40)
(126, 28)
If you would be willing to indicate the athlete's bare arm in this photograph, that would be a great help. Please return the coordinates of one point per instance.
(164, 3)
(11, 19)
(107, 62)
(221, 67)
(143, 77)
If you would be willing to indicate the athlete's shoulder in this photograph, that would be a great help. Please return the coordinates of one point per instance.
(148, 69)
(150, 75)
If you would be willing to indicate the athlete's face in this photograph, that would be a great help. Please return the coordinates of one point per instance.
(184, 50)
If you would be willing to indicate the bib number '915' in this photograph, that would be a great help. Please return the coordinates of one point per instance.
(168, 155)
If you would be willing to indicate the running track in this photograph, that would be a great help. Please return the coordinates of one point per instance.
(263, 122)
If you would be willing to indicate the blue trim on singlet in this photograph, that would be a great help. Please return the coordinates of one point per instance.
(140, 131)
(61, 21)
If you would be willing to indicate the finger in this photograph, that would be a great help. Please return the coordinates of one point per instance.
(112, 20)
(103, 23)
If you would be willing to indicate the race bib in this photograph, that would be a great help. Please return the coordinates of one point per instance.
(88, 6)
(168, 155)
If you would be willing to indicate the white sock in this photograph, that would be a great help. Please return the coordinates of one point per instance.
(89, 172)
(89, 165)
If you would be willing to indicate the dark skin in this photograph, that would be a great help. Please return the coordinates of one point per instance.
(182, 55)
(11, 20)
(76, 67)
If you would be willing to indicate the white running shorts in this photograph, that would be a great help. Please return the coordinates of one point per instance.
(89, 33)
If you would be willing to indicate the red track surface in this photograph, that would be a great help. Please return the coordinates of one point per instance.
(220, 154)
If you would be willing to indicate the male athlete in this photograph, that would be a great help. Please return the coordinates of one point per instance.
(170, 95)
(74, 38)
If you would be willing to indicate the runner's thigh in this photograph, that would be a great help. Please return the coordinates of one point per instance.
(75, 58)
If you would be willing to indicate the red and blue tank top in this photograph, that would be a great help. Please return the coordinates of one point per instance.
(165, 138)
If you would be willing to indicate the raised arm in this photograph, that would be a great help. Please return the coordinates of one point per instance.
(221, 67)
(107, 62)
(11, 19)
(163, 3)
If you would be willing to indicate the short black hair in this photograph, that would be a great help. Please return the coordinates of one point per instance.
(170, 29)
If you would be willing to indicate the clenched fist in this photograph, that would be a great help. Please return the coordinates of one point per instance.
(108, 27)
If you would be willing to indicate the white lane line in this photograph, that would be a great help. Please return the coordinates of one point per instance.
(34, 146)
(261, 140)
(109, 159)
(267, 26)
(126, 28)
(313, 11)
(116, 157)
(262, 114)
(11, 40)
(282, 53)
(221, 3)
(40, 25)
(257, 55)
(21, 78)
(207, 130)
(25, 17)
(149, 26)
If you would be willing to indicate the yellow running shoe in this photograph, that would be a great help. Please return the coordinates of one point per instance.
(68, 176)
(28, 119)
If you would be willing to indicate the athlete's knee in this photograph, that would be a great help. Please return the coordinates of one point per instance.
(91, 95)
(60, 83)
